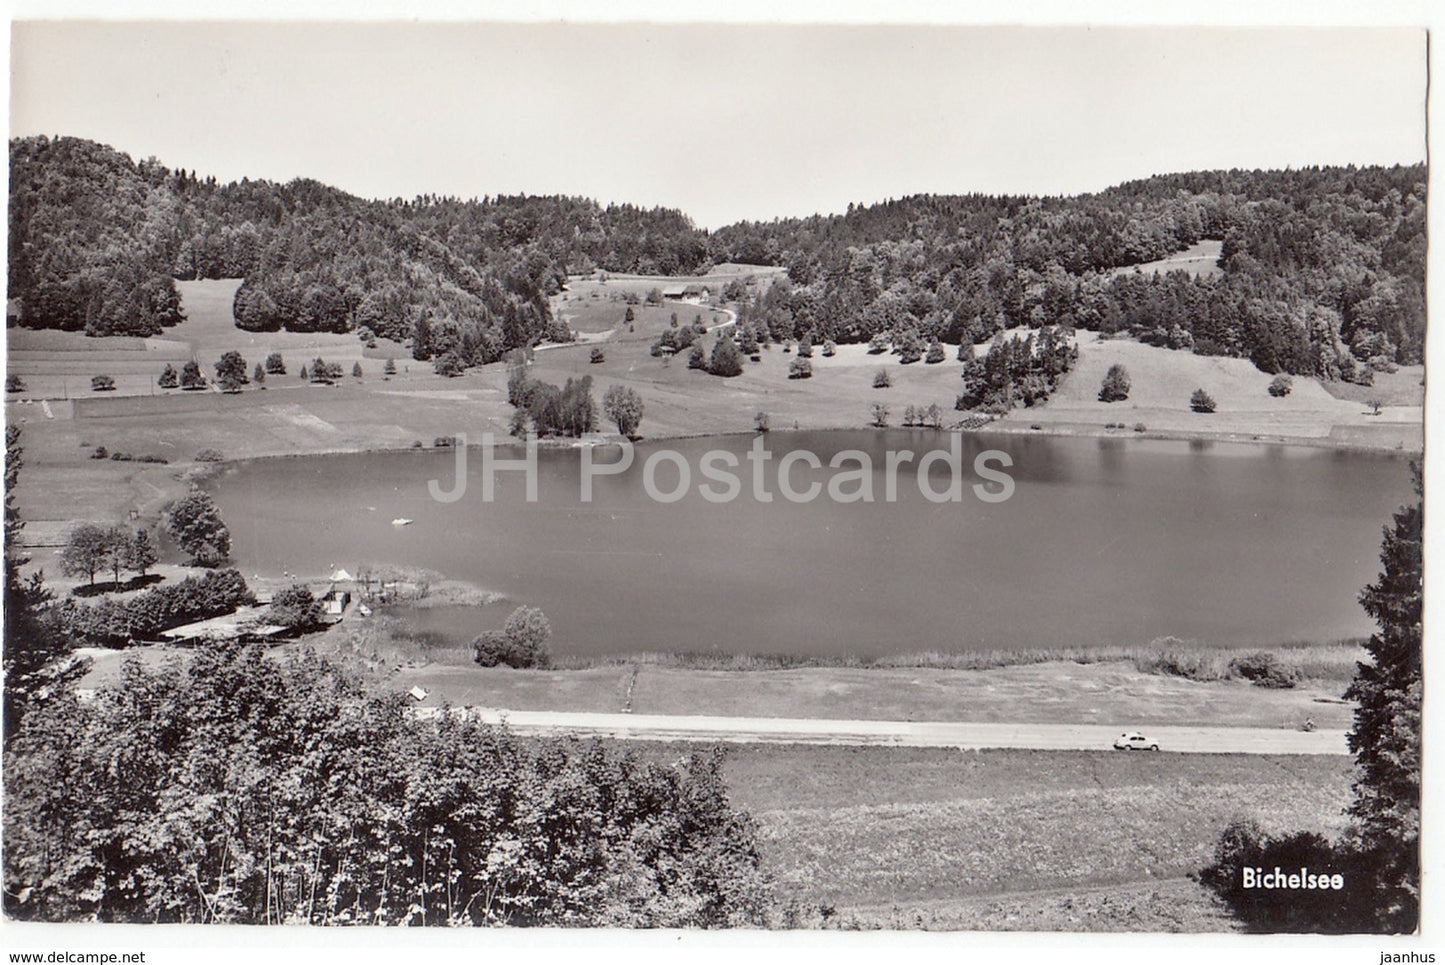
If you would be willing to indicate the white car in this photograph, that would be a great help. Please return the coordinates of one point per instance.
(1135, 741)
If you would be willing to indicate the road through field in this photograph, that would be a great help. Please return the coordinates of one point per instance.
(900, 733)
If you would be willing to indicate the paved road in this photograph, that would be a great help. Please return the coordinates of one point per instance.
(900, 733)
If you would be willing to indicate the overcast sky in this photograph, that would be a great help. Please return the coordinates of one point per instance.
(723, 122)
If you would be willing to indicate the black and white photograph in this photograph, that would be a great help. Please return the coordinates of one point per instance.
(626, 476)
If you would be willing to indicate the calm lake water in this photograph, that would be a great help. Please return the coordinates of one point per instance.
(1104, 541)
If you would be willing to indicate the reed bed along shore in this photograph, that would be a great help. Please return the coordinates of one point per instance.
(1333, 661)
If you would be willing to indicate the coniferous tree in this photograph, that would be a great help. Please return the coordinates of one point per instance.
(1385, 738)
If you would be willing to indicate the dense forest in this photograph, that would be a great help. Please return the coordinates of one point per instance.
(1322, 269)
(97, 240)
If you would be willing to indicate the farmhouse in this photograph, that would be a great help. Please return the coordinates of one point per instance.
(689, 294)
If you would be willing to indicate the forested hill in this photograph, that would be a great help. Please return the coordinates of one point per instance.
(96, 240)
(1321, 267)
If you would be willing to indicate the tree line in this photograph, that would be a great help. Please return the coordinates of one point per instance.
(97, 241)
(1322, 270)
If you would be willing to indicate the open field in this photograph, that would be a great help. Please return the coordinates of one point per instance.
(1199, 260)
(1164, 379)
(1016, 839)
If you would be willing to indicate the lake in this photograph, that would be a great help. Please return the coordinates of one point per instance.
(1103, 541)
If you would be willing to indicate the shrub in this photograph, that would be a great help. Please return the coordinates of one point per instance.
(800, 368)
(169, 378)
(880, 414)
(295, 608)
(881, 379)
(209, 455)
(14, 383)
(102, 383)
(521, 643)
(1244, 846)
(762, 421)
(356, 370)
(830, 349)
(99, 452)
(389, 368)
(1201, 401)
(275, 364)
(1281, 385)
(1116, 384)
(1264, 669)
(1140, 427)
(805, 347)
(596, 356)
(878, 344)
(449, 365)
(935, 353)
(697, 358)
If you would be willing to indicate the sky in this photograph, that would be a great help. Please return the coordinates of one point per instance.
(725, 122)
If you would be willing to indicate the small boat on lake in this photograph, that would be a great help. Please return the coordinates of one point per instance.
(401, 521)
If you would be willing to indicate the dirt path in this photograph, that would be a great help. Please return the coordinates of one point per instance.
(968, 736)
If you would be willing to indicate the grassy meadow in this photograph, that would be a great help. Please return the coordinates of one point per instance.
(1022, 840)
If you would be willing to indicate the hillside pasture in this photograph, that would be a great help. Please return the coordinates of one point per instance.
(1163, 379)
(1200, 260)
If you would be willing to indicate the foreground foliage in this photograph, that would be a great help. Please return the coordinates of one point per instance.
(239, 789)
(1380, 853)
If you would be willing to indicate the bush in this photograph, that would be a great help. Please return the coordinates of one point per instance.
(805, 348)
(830, 349)
(295, 608)
(1116, 384)
(115, 622)
(881, 379)
(596, 356)
(1264, 669)
(522, 643)
(935, 353)
(449, 365)
(762, 421)
(800, 368)
(1201, 401)
(275, 364)
(1244, 847)
(880, 414)
(209, 455)
(169, 377)
(14, 383)
(1281, 385)
(878, 344)
(102, 383)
